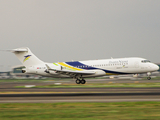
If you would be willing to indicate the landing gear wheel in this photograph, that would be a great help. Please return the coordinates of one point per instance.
(148, 78)
(78, 81)
(83, 81)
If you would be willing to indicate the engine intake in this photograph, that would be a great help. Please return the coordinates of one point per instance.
(23, 71)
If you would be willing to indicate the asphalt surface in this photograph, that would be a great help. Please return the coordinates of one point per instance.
(79, 90)
(45, 95)
(9, 94)
(70, 81)
(89, 97)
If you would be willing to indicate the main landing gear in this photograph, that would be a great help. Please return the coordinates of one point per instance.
(78, 81)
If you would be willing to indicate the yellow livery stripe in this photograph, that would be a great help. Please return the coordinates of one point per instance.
(65, 65)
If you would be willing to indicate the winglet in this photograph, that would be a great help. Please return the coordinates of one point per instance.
(47, 67)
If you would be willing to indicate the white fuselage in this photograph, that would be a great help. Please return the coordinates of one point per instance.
(82, 69)
(100, 67)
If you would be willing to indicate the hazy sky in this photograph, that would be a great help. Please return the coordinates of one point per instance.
(65, 30)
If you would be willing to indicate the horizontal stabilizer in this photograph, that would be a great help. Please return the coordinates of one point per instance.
(17, 50)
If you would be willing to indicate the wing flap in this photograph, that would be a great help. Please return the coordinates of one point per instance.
(85, 72)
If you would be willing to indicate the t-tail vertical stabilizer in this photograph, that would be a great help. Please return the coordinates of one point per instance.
(26, 57)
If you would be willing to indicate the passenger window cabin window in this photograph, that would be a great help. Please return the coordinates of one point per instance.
(145, 61)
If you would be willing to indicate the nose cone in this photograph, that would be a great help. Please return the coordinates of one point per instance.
(156, 67)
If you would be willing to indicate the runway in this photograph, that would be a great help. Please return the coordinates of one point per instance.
(69, 81)
(88, 97)
(10, 94)
(80, 90)
(153, 95)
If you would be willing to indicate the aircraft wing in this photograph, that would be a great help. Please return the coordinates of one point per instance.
(70, 73)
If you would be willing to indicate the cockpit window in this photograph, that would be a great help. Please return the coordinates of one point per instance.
(145, 61)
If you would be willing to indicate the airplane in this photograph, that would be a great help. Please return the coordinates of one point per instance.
(83, 69)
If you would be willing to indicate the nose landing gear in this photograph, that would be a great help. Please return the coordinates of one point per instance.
(148, 78)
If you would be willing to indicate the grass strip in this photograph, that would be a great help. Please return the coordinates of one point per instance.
(98, 85)
(85, 111)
